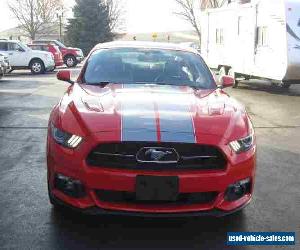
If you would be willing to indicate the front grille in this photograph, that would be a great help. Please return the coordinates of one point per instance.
(130, 198)
(123, 155)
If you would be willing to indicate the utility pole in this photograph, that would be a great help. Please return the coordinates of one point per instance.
(60, 16)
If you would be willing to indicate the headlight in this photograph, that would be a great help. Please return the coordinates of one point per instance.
(242, 145)
(65, 139)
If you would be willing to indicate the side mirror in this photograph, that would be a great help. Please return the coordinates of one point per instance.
(64, 75)
(227, 81)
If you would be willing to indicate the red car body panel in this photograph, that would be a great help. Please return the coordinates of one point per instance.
(58, 58)
(102, 115)
(69, 51)
(65, 51)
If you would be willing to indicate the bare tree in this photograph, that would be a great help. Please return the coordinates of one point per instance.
(34, 15)
(189, 8)
(213, 3)
(188, 13)
(116, 14)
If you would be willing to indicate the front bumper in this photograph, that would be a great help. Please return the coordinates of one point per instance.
(5, 68)
(100, 211)
(49, 64)
(72, 163)
(50, 67)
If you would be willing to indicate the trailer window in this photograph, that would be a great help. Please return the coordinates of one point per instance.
(262, 36)
(239, 25)
(219, 36)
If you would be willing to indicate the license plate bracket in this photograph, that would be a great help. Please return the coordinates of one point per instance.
(157, 188)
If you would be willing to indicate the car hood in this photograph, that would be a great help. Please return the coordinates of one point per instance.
(71, 48)
(148, 112)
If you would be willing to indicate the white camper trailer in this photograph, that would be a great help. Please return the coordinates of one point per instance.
(260, 39)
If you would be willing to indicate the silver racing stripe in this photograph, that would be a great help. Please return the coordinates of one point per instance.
(138, 117)
(142, 111)
(176, 123)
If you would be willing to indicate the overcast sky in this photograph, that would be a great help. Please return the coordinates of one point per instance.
(141, 16)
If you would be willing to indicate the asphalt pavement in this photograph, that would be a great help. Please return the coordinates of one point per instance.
(27, 220)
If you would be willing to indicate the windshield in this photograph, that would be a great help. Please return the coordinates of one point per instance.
(148, 66)
(60, 44)
(24, 46)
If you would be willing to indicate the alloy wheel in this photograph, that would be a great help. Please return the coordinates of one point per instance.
(36, 67)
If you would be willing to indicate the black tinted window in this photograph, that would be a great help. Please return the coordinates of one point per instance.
(153, 66)
(3, 46)
(14, 47)
(39, 47)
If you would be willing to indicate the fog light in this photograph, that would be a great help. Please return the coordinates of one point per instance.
(69, 186)
(238, 190)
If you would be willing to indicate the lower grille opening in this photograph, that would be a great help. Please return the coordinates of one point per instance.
(130, 198)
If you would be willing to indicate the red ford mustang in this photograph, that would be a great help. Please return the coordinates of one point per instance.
(145, 130)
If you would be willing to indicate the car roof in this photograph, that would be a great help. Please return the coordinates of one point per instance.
(10, 41)
(148, 45)
(43, 44)
(44, 40)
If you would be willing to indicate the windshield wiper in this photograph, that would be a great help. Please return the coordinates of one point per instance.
(170, 84)
(102, 84)
(194, 87)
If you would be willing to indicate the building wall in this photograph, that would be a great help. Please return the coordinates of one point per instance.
(51, 32)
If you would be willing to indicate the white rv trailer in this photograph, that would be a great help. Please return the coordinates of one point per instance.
(260, 39)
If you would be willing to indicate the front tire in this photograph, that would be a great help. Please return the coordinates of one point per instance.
(222, 72)
(282, 85)
(232, 73)
(70, 61)
(51, 70)
(51, 198)
(50, 195)
(37, 67)
(285, 85)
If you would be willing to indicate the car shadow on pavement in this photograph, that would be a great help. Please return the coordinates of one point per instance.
(20, 73)
(28, 73)
(73, 230)
(24, 73)
(5, 81)
(267, 87)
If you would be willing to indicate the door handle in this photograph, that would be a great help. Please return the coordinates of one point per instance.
(10, 54)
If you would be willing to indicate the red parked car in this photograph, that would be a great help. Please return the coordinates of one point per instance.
(145, 130)
(51, 48)
(71, 56)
